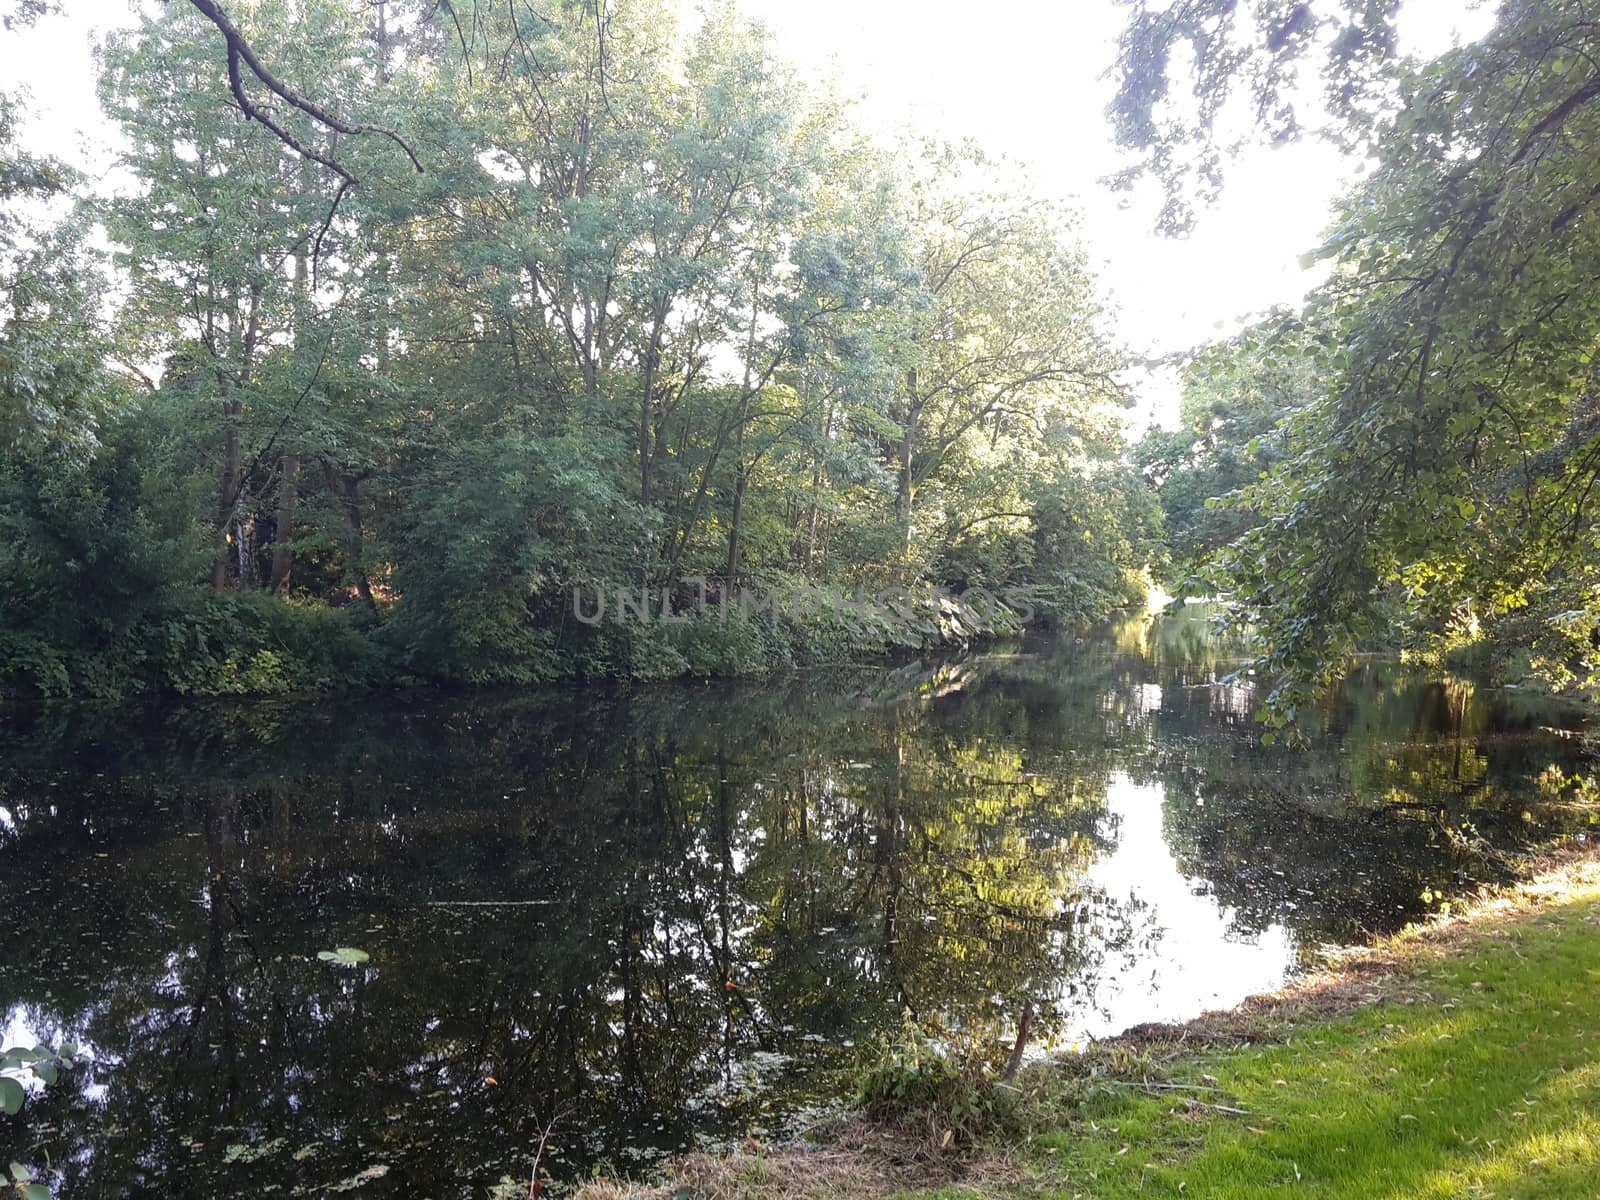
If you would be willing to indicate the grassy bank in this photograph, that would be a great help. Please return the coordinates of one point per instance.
(1461, 1059)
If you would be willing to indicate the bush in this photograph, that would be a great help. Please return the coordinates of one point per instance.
(253, 643)
(1075, 600)
(914, 1076)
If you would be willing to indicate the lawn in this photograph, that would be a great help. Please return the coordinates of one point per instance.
(1490, 1087)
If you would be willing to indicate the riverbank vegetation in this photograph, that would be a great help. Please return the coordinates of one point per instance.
(422, 322)
(398, 333)
(497, 343)
(1411, 461)
(1452, 1059)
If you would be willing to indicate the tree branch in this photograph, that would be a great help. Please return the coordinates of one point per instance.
(239, 49)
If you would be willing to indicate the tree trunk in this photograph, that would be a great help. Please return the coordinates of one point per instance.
(282, 553)
(289, 473)
(741, 480)
(741, 469)
(346, 489)
(381, 339)
(1020, 1048)
(241, 341)
(907, 483)
(888, 856)
(647, 395)
(380, 37)
(693, 520)
(244, 546)
(228, 495)
(816, 486)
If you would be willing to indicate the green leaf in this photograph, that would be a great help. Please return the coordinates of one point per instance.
(11, 1096)
(46, 1071)
(20, 1173)
(35, 1191)
(344, 956)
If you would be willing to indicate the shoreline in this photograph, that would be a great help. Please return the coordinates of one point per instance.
(1048, 1143)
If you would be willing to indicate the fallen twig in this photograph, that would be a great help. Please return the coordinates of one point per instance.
(1155, 1089)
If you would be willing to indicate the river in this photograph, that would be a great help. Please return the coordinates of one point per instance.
(676, 916)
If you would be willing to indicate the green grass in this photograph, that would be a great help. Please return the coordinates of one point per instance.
(1491, 1089)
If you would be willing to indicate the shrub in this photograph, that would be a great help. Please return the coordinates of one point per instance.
(246, 643)
(915, 1076)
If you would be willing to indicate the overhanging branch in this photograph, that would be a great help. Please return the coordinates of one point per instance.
(239, 49)
(242, 55)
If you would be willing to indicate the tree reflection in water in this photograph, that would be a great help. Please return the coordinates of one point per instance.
(669, 915)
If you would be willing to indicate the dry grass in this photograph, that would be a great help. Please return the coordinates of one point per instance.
(795, 1175)
(861, 1160)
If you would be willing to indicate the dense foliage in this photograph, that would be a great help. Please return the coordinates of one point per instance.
(1438, 483)
(1236, 395)
(428, 329)
(428, 322)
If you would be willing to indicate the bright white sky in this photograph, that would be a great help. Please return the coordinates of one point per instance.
(1024, 80)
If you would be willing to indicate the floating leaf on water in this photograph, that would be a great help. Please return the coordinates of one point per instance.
(376, 1171)
(345, 956)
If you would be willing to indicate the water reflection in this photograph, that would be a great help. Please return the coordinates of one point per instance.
(668, 916)
(1189, 951)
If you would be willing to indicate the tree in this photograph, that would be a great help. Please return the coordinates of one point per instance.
(1236, 395)
(1201, 79)
(652, 310)
(53, 382)
(1005, 338)
(1450, 464)
(96, 539)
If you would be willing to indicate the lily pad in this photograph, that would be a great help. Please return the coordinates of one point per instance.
(344, 956)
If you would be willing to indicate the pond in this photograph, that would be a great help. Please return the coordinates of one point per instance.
(674, 916)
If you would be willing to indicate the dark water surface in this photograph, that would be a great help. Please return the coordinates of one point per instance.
(673, 917)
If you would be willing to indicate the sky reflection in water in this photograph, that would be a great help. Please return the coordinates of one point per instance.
(675, 915)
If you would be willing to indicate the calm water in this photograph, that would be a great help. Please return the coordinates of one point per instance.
(672, 917)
